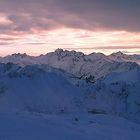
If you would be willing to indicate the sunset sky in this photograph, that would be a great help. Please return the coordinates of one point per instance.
(40, 26)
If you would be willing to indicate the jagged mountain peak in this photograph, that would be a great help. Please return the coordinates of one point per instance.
(68, 53)
(59, 50)
(119, 53)
(22, 55)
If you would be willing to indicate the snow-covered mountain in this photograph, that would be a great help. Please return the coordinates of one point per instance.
(33, 89)
(38, 88)
(94, 66)
(66, 90)
(118, 93)
(137, 56)
(121, 57)
(21, 59)
(89, 67)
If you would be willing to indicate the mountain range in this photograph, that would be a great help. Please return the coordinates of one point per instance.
(69, 82)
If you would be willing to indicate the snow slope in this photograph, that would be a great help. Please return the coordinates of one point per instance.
(34, 89)
(65, 127)
(129, 77)
(118, 93)
(30, 88)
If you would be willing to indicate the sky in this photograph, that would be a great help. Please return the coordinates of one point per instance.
(39, 26)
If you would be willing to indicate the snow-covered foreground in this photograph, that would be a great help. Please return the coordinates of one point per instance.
(66, 127)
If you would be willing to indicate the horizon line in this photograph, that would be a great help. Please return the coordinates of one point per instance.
(76, 50)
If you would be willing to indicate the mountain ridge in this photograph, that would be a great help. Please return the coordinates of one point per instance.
(92, 67)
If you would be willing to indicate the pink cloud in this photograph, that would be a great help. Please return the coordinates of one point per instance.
(4, 21)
